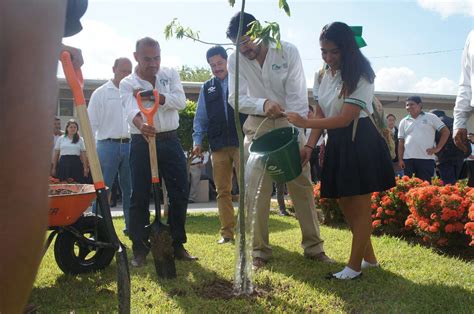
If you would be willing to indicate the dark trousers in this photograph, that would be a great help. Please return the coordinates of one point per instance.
(172, 168)
(421, 168)
(470, 173)
(449, 171)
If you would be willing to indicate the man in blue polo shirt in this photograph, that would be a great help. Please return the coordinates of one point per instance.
(417, 146)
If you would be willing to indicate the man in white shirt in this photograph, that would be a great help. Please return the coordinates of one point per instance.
(171, 160)
(416, 146)
(464, 100)
(271, 82)
(111, 131)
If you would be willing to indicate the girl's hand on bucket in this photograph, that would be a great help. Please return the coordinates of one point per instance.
(297, 120)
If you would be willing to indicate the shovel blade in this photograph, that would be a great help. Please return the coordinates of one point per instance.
(162, 250)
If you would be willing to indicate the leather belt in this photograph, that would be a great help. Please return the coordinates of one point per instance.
(118, 140)
(167, 135)
(162, 135)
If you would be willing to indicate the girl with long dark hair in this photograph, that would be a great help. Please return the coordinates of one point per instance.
(357, 160)
(70, 151)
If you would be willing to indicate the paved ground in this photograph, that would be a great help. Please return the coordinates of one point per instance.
(117, 211)
(192, 208)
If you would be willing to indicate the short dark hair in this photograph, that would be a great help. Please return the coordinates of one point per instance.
(391, 115)
(216, 50)
(416, 99)
(233, 28)
(146, 41)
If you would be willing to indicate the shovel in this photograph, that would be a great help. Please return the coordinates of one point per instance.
(159, 233)
(76, 83)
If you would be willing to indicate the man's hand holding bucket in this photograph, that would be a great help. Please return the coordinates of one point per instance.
(273, 110)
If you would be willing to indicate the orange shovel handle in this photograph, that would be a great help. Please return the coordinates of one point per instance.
(149, 113)
(74, 79)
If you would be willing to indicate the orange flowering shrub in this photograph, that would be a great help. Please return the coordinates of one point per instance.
(438, 214)
(389, 208)
(329, 207)
(469, 226)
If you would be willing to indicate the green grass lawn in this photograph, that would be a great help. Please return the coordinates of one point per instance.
(412, 279)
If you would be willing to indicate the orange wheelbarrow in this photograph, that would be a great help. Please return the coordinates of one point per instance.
(82, 243)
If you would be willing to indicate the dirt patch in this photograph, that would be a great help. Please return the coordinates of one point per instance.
(60, 192)
(224, 289)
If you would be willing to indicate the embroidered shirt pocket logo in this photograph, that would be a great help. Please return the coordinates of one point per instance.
(276, 67)
(164, 82)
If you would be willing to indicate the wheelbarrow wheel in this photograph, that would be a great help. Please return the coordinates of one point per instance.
(74, 256)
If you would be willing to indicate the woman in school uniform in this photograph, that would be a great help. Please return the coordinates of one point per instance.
(357, 160)
(70, 155)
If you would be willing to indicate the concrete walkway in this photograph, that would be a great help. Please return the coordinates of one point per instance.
(117, 211)
(207, 207)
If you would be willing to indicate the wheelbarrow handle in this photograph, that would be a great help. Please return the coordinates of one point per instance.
(149, 113)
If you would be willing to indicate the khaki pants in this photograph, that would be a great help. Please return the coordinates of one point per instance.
(223, 162)
(300, 190)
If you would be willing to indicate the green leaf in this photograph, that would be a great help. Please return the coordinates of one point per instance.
(283, 4)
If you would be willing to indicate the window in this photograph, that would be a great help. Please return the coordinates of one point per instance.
(66, 108)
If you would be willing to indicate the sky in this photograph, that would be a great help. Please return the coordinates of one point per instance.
(414, 46)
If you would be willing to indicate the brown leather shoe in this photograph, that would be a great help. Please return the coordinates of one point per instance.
(182, 254)
(224, 240)
(138, 260)
(320, 257)
(258, 263)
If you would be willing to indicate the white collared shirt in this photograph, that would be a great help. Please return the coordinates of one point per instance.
(65, 146)
(419, 135)
(464, 100)
(280, 79)
(330, 88)
(169, 85)
(106, 113)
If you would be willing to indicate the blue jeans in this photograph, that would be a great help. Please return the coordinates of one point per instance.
(172, 168)
(114, 158)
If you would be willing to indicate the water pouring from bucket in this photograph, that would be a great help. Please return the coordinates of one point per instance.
(277, 154)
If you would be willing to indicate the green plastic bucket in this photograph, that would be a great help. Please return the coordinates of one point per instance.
(281, 153)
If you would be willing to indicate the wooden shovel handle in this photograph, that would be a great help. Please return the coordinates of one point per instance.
(153, 160)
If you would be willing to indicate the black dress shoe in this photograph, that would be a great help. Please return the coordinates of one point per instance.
(224, 240)
(139, 260)
(284, 213)
(182, 254)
